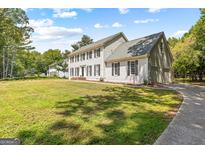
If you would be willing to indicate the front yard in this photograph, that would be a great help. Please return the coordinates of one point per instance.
(67, 112)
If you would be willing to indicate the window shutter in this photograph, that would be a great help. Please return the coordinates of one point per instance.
(112, 69)
(118, 68)
(99, 70)
(128, 68)
(94, 70)
(94, 53)
(99, 52)
(136, 67)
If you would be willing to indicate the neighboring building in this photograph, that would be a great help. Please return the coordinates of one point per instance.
(53, 71)
(115, 59)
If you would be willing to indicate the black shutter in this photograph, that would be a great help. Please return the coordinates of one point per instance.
(136, 67)
(128, 68)
(118, 68)
(112, 69)
(99, 69)
(94, 70)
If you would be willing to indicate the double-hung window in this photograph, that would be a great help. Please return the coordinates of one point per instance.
(116, 69)
(97, 70)
(71, 71)
(97, 53)
(89, 70)
(72, 59)
(77, 71)
(132, 68)
(89, 55)
(82, 56)
(77, 58)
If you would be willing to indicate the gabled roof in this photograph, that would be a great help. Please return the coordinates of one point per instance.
(137, 47)
(99, 43)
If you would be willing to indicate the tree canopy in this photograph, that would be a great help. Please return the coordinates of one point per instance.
(189, 51)
(14, 36)
(85, 40)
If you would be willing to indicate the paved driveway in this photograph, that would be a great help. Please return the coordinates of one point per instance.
(188, 127)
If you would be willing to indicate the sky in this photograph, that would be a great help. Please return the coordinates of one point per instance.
(59, 28)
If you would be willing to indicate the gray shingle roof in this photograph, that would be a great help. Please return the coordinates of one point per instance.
(137, 47)
(99, 42)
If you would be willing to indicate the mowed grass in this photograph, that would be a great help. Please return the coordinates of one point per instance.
(67, 112)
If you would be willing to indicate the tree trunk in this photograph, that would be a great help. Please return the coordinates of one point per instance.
(7, 66)
(3, 64)
(12, 63)
(201, 76)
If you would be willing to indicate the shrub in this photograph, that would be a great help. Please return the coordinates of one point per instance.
(145, 82)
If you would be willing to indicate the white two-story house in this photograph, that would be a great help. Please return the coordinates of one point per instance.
(115, 59)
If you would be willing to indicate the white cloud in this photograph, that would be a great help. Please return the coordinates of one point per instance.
(44, 30)
(117, 25)
(40, 23)
(55, 32)
(98, 26)
(87, 9)
(179, 33)
(123, 10)
(154, 10)
(145, 21)
(60, 43)
(64, 13)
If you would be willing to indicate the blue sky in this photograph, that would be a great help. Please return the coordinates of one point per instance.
(59, 28)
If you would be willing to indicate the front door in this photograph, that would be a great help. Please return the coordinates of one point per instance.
(83, 70)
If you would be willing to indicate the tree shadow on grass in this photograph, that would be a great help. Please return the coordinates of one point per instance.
(149, 125)
(114, 97)
(38, 138)
(60, 132)
(140, 127)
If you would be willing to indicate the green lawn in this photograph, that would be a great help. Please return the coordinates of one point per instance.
(66, 112)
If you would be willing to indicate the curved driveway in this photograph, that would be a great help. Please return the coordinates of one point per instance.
(188, 126)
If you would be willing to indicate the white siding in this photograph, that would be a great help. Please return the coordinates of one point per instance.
(88, 62)
(133, 79)
(106, 68)
(54, 72)
(105, 52)
(110, 48)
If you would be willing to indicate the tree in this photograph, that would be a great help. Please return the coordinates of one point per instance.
(51, 56)
(189, 51)
(187, 63)
(75, 46)
(199, 37)
(85, 40)
(62, 66)
(14, 36)
(172, 42)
